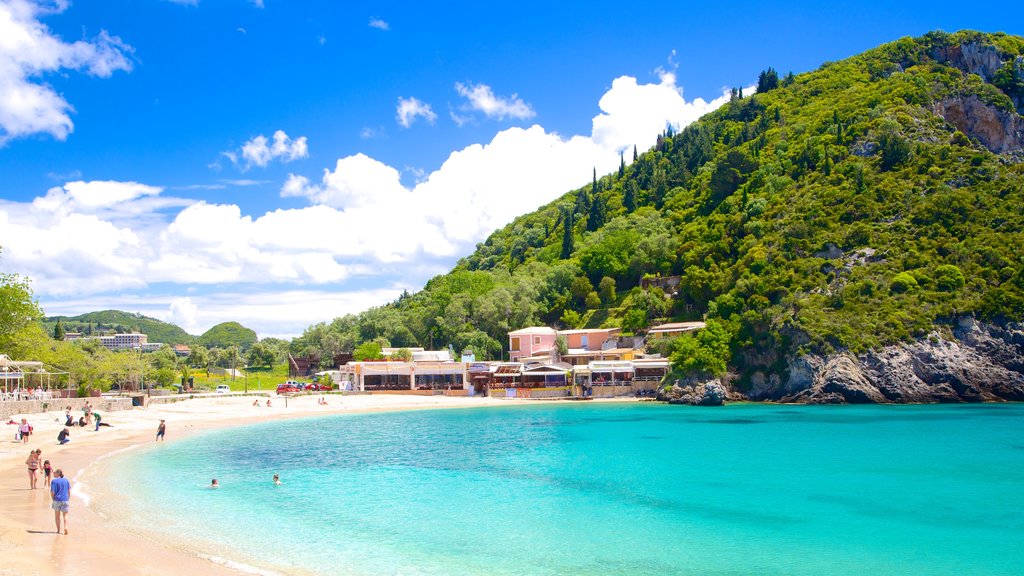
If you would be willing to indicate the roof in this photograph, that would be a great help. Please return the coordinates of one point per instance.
(676, 327)
(532, 330)
(589, 330)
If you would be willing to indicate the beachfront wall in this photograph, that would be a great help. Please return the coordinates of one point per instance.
(8, 409)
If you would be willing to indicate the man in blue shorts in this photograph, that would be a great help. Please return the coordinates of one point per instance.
(60, 492)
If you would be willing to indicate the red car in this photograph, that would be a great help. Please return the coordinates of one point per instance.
(287, 387)
(317, 387)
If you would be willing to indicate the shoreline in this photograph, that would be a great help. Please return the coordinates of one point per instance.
(98, 544)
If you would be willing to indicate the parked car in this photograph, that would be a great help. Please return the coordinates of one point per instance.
(318, 387)
(289, 386)
(223, 389)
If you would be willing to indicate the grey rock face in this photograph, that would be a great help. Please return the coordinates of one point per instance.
(982, 363)
(711, 393)
(1000, 131)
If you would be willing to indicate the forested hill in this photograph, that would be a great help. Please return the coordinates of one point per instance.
(867, 203)
(109, 321)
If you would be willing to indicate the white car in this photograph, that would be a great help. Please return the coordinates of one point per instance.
(223, 389)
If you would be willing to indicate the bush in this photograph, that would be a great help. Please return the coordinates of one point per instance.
(707, 352)
(903, 282)
(949, 278)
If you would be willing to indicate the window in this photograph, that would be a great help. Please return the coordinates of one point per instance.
(583, 341)
(515, 344)
(536, 340)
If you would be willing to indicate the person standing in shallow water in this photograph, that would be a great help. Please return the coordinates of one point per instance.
(160, 430)
(60, 493)
(33, 468)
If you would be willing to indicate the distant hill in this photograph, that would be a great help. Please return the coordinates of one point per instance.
(228, 334)
(117, 321)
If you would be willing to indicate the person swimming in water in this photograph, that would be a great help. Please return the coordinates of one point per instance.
(214, 484)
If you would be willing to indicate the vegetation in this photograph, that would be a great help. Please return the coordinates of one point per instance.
(227, 334)
(831, 210)
(118, 322)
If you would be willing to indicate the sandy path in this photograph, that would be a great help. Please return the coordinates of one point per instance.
(29, 545)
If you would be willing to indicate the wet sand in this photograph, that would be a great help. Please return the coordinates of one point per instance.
(29, 544)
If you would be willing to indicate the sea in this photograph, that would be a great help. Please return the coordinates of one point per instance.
(596, 489)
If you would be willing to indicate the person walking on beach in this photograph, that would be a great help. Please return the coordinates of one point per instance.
(87, 411)
(47, 473)
(60, 492)
(62, 436)
(160, 430)
(33, 467)
(25, 429)
(97, 416)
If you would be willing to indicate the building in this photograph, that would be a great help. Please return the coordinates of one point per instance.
(532, 342)
(182, 351)
(673, 330)
(129, 341)
(428, 370)
(583, 345)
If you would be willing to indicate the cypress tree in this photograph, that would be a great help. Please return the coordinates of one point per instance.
(622, 164)
(58, 331)
(634, 152)
(629, 197)
(567, 236)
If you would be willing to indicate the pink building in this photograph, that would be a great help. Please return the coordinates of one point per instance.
(530, 342)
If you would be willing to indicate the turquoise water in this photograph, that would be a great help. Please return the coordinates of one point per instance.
(604, 489)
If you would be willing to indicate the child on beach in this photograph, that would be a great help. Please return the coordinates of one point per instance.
(47, 472)
(25, 429)
(160, 430)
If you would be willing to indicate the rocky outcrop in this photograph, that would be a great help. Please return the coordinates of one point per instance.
(971, 57)
(1001, 131)
(710, 393)
(981, 363)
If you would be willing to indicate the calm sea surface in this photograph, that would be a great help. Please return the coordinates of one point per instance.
(602, 489)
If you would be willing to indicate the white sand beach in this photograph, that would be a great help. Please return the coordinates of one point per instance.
(29, 544)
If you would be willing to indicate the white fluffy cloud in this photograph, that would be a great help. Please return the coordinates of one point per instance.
(28, 51)
(480, 98)
(260, 151)
(379, 24)
(409, 109)
(363, 227)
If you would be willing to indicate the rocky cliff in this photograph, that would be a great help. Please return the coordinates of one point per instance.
(974, 363)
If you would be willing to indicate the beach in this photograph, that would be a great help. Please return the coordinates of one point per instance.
(95, 545)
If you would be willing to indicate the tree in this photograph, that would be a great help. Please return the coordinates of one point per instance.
(629, 196)
(199, 356)
(767, 80)
(634, 320)
(607, 290)
(622, 164)
(596, 217)
(18, 308)
(402, 355)
(706, 353)
(571, 318)
(634, 153)
(367, 351)
(260, 354)
(561, 347)
(567, 238)
(232, 357)
(58, 331)
(593, 301)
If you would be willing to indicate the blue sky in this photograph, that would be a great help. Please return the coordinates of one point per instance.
(282, 163)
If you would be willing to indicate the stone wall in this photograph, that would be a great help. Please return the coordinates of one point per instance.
(102, 404)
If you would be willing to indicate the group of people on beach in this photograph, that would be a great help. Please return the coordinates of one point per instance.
(60, 488)
(257, 404)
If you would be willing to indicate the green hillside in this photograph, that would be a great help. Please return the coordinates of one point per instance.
(109, 321)
(228, 334)
(858, 205)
